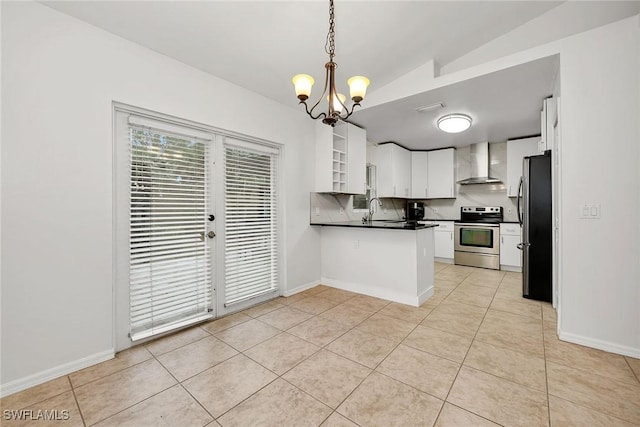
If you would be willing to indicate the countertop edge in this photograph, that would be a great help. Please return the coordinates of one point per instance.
(388, 226)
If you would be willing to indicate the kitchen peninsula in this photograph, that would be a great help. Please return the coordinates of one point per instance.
(384, 259)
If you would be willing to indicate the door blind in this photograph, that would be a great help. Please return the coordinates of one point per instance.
(170, 266)
(251, 244)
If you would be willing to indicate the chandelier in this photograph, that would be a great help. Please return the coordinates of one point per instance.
(336, 101)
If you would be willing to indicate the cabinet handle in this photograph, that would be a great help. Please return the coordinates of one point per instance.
(451, 234)
(502, 239)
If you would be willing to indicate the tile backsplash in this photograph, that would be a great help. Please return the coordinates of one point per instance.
(476, 194)
(339, 207)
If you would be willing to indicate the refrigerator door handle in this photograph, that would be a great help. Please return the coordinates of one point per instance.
(522, 245)
(518, 200)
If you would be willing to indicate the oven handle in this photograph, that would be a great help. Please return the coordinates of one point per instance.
(477, 224)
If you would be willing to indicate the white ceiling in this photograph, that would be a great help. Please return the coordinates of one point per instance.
(260, 45)
(503, 105)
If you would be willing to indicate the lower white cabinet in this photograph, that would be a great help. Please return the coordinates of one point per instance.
(510, 255)
(443, 239)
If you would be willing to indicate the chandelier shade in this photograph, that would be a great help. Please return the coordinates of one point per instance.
(336, 107)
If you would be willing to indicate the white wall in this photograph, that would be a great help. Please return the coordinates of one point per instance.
(600, 153)
(59, 78)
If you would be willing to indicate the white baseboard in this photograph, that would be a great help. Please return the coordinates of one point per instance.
(601, 345)
(426, 295)
(49, 374)
(443, 260)
(510, 268)
(300, 288)
(388, 294)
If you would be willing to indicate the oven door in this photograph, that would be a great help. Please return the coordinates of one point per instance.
(477, 238)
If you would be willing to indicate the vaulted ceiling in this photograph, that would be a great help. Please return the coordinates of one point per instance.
(260, 45)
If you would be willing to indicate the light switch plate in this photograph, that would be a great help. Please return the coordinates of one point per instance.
(590, 211)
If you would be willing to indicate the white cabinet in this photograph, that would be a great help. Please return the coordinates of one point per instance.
(510, 255)
(394, 171)
(517, 149)
(433, 174)
(419, 175)
(548, 117)
(441, 174)
(341, 159)
(443, 239)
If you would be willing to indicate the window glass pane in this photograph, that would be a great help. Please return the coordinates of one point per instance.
(475, 237)
(170, 271)
(251, 261)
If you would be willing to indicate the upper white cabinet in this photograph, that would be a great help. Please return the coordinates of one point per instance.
(441, 174)
(548, 118)
(419, 174)
(341, 159)
(517, 149)
(394, 171)
(433, 174)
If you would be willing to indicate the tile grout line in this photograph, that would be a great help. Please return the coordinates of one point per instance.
(382, 361)
(631, 369)
(146, 398)
(465, 356)
(73, 392)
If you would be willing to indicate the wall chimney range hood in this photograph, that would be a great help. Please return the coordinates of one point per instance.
(479, 166)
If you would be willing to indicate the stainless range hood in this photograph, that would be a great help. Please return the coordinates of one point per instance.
(479, 166)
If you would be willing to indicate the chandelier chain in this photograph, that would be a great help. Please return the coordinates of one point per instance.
(330, 45)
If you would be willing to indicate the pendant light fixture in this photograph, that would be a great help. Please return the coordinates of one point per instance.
(335, 101)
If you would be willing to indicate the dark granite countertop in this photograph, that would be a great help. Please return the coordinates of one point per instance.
(390, 225)
(440, 219)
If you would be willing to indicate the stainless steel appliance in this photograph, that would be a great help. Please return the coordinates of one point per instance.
(534, 214)
(477, 237)
(479, 154)
(415, 211)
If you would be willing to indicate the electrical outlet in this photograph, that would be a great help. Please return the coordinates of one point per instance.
(317, 211)
(509, 210)
(384, 211)
(435, 210)
(341, 211)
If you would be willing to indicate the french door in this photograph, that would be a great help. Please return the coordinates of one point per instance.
(197, 231)
(171, 226)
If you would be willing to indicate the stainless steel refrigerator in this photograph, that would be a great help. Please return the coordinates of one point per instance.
(535, 216)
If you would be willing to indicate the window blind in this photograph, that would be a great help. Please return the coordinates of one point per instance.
(170, 265)
(250, 209)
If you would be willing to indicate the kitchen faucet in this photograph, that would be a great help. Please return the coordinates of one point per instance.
(370, 216)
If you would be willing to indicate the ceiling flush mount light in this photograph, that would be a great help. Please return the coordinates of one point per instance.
(335, 101)
(454, 123)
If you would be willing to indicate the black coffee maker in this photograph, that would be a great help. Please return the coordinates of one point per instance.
(415, 211)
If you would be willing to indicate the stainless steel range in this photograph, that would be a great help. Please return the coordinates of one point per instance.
(477, 237)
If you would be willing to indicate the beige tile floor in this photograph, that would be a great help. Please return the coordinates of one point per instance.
(475, 354)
